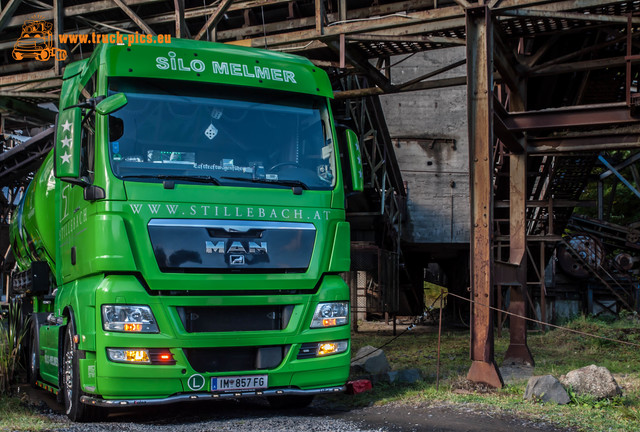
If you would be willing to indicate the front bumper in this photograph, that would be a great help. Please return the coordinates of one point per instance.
(200, 396)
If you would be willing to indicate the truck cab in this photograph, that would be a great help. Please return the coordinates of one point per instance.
(199, 230)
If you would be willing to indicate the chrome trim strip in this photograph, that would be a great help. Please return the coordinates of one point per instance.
(89, 400)
(236, 225)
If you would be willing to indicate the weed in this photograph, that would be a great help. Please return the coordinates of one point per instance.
(13, 329)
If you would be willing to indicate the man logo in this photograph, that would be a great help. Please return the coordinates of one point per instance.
(236, 259)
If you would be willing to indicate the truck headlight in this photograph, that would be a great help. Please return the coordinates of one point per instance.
(330, 315)
(129, 319)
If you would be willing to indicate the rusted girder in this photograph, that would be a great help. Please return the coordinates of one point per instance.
(480, 123)
(577, 143)
(613, 114)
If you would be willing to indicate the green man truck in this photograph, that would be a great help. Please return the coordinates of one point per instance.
(185, 237)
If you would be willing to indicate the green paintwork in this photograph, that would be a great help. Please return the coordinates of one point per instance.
(111, 104)
(355, 157)
(67, 145)
(114, 259)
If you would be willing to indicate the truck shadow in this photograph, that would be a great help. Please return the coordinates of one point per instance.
(186, 413)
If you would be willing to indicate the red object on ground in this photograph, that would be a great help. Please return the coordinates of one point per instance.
(358, 386)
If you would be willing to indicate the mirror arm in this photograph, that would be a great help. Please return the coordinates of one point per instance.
(89, 103)
(76, 181)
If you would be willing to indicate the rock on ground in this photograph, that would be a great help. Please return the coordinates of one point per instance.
(370, 360)
(592, 380)
(546, 388)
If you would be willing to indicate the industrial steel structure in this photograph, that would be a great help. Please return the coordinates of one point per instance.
(550, 85)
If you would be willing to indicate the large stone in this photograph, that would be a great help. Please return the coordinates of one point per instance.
(409, 376)
(370, 360)
(592, 380)
(547, 389)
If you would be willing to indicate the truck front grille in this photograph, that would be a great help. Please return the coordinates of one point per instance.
(211, 319)
(235, 358)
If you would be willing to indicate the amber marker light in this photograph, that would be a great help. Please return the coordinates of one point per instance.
(132, 327)
(329, 322)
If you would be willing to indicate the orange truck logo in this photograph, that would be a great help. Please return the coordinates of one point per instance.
(37, 41)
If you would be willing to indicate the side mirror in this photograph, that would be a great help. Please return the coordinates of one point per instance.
(355, 160)
(111, 104)
(67, 145)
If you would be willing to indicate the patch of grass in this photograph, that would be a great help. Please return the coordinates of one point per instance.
(556, 352)
(17, 416)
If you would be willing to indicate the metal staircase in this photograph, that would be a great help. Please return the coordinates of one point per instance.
(376, 215)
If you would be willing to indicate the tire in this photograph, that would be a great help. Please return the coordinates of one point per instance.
(285, 402)
(33, 357)
(70, 383)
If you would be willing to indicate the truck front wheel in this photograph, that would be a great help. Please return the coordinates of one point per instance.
(33, 370)
(75, 410)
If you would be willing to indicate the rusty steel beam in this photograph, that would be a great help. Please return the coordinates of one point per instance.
(612, 114)
(354, 57)
(425, 85)
(215, 17)
(410, 38)
(27, 109)
(614, 19)
(7, 13)
(518, 350)
(134, 17)
(555, 203)
(554, 145)
(480, 125)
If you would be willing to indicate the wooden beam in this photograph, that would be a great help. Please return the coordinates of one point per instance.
(134, 17)
(214, 18)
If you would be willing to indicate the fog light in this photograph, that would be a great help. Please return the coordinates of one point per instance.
(121, 355)
(327, 348)
(322, 349)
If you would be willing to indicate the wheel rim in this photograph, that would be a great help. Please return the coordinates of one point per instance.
(33, 363)
(67, 376)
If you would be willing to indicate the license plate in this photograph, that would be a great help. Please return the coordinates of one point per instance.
(243, 382)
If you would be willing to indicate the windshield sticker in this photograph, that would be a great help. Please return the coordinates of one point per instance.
(171, 62)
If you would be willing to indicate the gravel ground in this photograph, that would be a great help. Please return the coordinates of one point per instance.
(321, 416)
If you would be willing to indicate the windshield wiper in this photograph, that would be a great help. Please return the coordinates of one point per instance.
(292, 183)
(196, 178)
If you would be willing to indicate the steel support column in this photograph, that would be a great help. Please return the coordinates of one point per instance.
(518, 351)
(480, 123)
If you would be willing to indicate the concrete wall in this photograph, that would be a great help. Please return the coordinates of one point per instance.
(426, 125)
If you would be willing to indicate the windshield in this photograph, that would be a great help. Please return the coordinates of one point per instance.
(220, 135)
